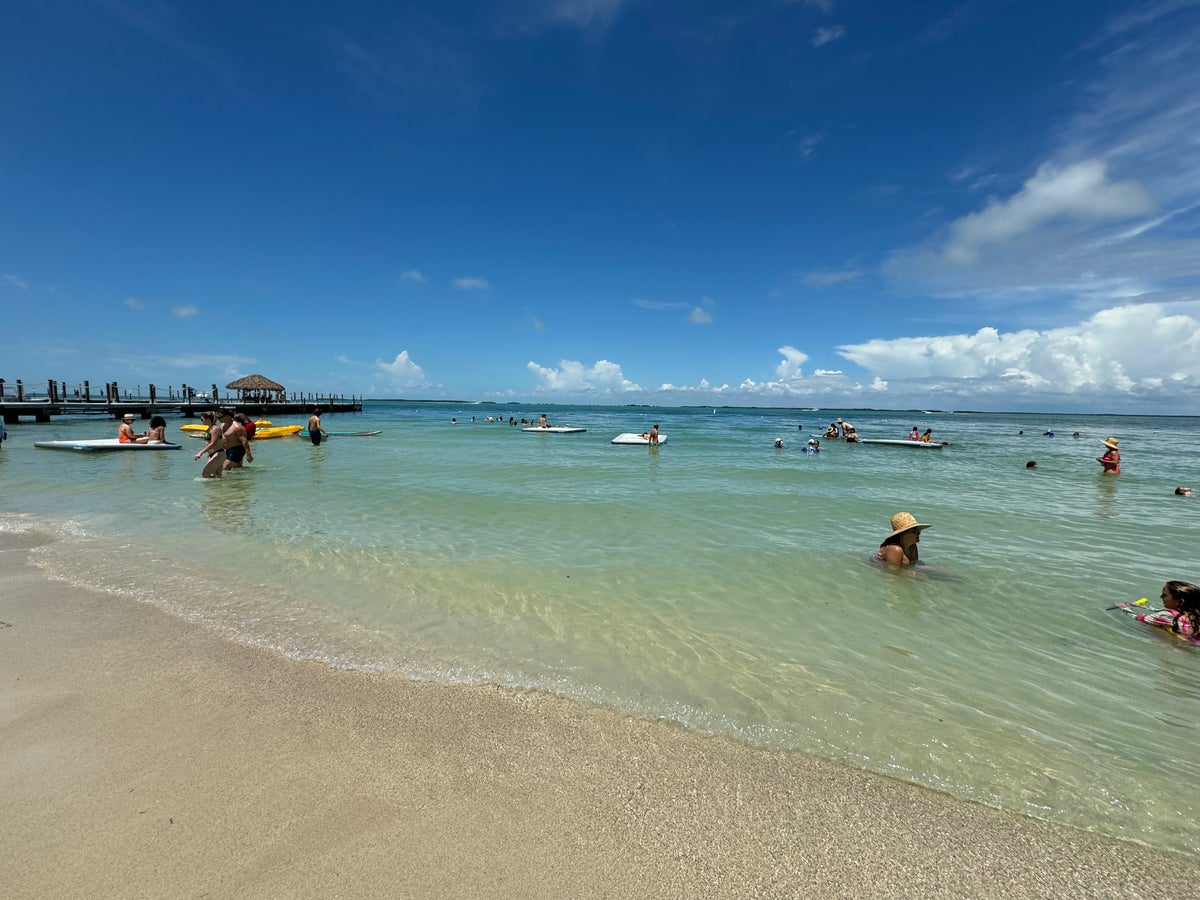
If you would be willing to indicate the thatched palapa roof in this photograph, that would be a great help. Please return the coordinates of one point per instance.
(254, 383)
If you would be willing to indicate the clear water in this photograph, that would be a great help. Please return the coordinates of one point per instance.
(716, 581)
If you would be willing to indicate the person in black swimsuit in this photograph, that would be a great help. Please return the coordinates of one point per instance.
(315, 431)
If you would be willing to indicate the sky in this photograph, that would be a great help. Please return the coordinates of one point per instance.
(976, 205)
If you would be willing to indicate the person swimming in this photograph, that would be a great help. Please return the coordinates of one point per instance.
(1181, 610)
(900, 547)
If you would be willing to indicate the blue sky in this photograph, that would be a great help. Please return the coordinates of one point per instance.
(813, 203)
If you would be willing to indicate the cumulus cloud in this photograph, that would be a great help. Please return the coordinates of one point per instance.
(789, 369)
(184, 311)
(1103, 359)
(471, 284)
(573, 377)
(1081, 192)
(702, 314)
(403, 371)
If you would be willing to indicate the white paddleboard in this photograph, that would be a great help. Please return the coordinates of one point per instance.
(554, 429)
(897, 443)
(101, 444)
(631, 437)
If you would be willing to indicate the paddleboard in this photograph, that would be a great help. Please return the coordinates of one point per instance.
(631, 437)
(554, 429)
(101, 444)
(936, 445)
(304, 433)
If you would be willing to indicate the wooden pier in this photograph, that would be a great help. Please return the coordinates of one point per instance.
(187, 402)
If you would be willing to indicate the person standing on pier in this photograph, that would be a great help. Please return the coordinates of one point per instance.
(315, 431)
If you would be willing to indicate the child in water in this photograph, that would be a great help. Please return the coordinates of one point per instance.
(1181, 614)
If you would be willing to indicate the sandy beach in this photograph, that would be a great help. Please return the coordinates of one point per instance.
(144, 756)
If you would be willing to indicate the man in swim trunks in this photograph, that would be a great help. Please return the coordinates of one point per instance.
(234, 440)
(316, 432)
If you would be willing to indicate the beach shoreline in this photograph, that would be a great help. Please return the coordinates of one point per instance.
(146, 756)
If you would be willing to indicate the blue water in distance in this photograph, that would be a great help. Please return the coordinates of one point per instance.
(717, 581)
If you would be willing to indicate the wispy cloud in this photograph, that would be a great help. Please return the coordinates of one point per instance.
(184, 311)
(471, 284)
(1081, 192)
(413, 276)
(829, 277)
(824, 36)
(588, 15)
(134, 303)
(16, 281)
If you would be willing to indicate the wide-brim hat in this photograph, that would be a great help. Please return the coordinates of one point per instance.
(902, 522)
(1110, 443)
(127, 416)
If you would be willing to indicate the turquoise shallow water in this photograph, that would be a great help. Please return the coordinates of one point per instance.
(716, 581)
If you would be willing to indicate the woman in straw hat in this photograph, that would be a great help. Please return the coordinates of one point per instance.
(900, 547)
(1111, 460)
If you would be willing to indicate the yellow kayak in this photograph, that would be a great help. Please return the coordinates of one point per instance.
(261, 423)
(282, 431)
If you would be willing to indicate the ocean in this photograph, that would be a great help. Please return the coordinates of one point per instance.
(717, 581)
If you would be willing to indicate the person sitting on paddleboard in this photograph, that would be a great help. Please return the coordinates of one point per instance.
(927, 437)
(156, 433)
(125, 432)
(914, 435)
(1181, 614)
(900, 547)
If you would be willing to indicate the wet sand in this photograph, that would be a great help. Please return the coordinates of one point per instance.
(144, 756)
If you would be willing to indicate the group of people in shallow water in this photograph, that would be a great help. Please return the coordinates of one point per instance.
(228, 442)
(1180, 599)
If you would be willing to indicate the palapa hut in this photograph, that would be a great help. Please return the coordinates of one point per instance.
(256, 389)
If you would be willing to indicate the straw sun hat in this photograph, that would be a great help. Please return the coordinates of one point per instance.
(902, 522)
(1110, 443)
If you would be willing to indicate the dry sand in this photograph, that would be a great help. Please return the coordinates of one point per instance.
(142, 756)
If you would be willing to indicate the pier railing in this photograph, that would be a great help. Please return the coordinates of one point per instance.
(61, 398)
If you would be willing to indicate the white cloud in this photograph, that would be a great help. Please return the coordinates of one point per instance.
(471, 284)
(412, 275)
(827, 278)
(659, 304)
(1114, 356)
(572, 377)
(1081, 192)
(828, 35)
(699, 316)
(184, 311)
(789, 369)
(17, 282)
(403, 371)
(584, 14)
(134, 303)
